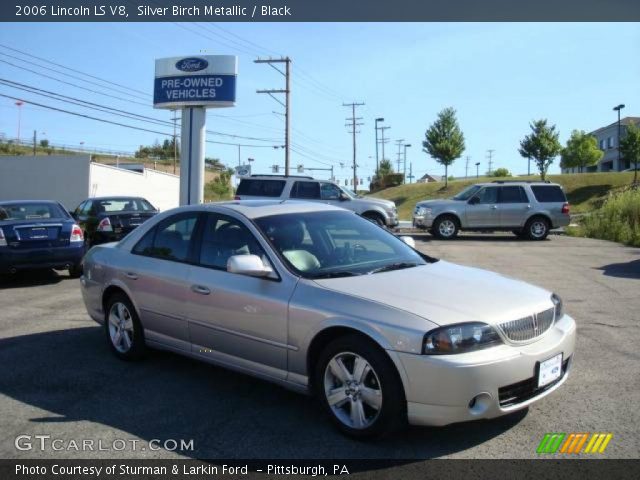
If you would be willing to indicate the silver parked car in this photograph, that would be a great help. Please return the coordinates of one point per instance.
(258, 187)
(528, 209)
(317, 299)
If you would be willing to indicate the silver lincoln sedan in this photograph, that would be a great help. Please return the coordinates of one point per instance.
(320, 300)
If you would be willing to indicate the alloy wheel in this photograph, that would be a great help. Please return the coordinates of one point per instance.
(538, 229)
(446, 228)
(121, 327)
(352, 390)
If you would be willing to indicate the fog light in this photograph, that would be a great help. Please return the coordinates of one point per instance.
(480, 404)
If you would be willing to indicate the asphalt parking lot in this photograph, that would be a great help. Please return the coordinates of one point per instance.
(58, 377)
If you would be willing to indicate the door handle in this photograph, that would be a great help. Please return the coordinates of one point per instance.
(200, 289)
(131, 275)
(494, 207)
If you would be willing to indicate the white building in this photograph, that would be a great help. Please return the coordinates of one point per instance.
(74, 178)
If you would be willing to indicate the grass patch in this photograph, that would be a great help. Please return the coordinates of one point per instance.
(618, 219)
(586, 191)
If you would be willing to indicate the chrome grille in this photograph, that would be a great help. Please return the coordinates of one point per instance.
(528, 328)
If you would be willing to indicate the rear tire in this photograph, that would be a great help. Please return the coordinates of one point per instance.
(537, 228)
(359, 387)
(445, 227)
(75, 271)
(123, 328)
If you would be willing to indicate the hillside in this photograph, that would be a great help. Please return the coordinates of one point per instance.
(585, 191)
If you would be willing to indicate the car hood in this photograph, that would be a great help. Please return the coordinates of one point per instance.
(438, 202)
(386, 204)
(445, 293)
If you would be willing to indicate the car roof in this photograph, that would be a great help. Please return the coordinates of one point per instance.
(22, 202)
(116, 197)
(516, 182)
(264, 208)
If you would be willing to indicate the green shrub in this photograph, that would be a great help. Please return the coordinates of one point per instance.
(500, 172)
(618, 219)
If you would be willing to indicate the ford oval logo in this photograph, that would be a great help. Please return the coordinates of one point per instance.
(192, 64)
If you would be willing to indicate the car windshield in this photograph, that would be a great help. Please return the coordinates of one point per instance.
(467, 193)
(31, 211)
(336, 244)
(111, 205)
(349, 193)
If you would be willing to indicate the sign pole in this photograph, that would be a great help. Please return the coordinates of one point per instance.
(192, 149)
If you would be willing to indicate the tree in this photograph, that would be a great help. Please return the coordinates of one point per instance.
(500, 172)
(581, 151)
(385, 167)
(444, 140)
(630, 148)
(44, 143)
(542, 145)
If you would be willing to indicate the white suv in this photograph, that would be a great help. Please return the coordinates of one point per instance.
(382, 212)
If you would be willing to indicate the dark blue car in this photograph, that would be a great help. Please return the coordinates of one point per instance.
(39, 234)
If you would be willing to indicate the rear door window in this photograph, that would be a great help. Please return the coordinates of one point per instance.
(260, 188)
(548, 193)
(306, 190)
(171, 240)
(513, 194)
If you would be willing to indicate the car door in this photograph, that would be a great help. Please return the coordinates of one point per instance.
(513, 206)
(81, 214)
(306, 190)
(330, 193)
(482, 208)
(158, 278)
(237, 319)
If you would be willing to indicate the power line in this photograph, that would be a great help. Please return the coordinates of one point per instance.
(122, 124)
(73, 70)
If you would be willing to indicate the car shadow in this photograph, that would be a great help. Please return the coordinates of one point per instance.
(469, 237)
(622, 270)
(32, 278)
(167, 396)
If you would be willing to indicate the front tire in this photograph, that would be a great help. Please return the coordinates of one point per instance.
(375, 218)
(123, 328)
(537, 228)
(446, 227)
(359, 387)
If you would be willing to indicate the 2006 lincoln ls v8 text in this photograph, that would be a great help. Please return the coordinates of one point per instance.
(321, 300)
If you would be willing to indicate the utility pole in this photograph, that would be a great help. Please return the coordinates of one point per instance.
(466, 167)
(383, 140)
(286, 105)
(410, 177)
(354, 124)
(490, 156)
(34, 142)
(239, 161)
(380, 119)
(175, 142)
(477, 169)
(399, 143)
(404, 164)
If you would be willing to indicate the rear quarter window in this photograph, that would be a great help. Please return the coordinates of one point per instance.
(549, 194)
(260, 188)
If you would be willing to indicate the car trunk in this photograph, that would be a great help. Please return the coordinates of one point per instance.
(30, 234)
(124, 222)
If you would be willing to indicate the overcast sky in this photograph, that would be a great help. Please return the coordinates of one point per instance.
(498, 77)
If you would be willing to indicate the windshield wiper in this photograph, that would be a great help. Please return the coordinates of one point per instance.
(394, 266)
(336, 274)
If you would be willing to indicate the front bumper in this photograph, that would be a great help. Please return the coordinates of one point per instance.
(422, 221)
(34, 258)
(441, 389)
(392, 219)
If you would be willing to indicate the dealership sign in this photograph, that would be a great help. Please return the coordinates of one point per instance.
(202, 81)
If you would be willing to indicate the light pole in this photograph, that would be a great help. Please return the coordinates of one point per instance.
(405, 162)
(377, 120)
(19, 105)
(477, 169)
(618, 108)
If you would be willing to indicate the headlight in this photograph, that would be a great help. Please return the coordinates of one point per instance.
(460, 338)
(423, 211)
(557, 302)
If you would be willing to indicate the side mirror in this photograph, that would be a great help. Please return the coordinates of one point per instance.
(474, 200)
(250, 265)
(343, 197)
(409, 241)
